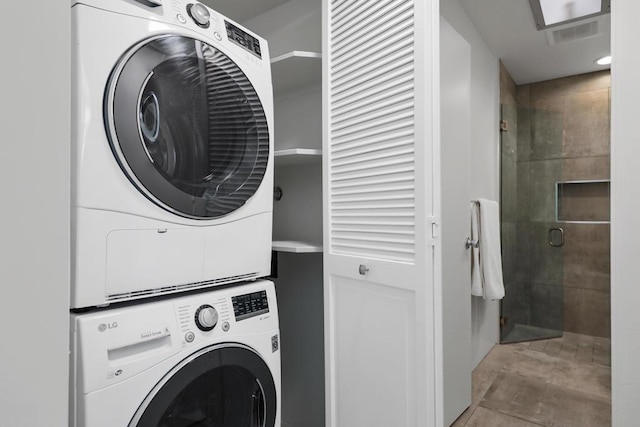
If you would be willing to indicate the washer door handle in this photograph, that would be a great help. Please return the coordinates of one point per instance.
(257, 410)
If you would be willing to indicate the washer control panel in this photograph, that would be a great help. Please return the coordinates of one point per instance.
(116, 344)
(206, 317)
(250, 305)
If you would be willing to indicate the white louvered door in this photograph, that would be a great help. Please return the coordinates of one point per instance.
(381, 125)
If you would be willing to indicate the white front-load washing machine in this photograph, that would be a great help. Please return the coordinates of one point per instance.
(172, 161)
(206, 359)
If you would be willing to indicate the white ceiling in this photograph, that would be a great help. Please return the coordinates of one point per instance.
(242, 10)
(508, 28)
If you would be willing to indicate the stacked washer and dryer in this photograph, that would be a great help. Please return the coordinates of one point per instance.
(172, 183)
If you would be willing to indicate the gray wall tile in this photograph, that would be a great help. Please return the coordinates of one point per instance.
(547, 308)
(546, 261)
(524, 133)
(587, 311)
(543, 178)
(586, 124)
(586, 256)
(546, 134)
(583, 168)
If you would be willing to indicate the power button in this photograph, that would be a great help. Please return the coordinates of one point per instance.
(189, 337)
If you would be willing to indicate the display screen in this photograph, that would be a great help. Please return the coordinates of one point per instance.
(249, 305)
(243, 39)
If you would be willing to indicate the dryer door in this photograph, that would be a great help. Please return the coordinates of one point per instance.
(223, 385)
(187, 127)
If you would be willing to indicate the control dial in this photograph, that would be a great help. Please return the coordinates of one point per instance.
(206, 317)
(200, 14)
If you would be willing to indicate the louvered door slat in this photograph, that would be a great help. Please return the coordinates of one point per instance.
(340, 7)
(381, 113)
(372, 135)
(356, 137)
(385, 124)
(364, 82)
(372, 172)
(376, 155)
(365, 22)
(356, 97)
(376, 101)
(375, 96)
(378, 229)
(390, 60)
(385, 79)
(385, 141)
(401, 25)
(345, 16)
(365, 179)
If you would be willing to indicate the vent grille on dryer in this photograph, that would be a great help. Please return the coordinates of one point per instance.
(127, 296)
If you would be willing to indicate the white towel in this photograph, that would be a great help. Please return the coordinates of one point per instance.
(486, 268)
(476, 278)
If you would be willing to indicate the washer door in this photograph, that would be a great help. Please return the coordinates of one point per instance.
(224, 385)
(187, 127)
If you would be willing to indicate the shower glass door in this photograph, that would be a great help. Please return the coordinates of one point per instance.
(532, 240)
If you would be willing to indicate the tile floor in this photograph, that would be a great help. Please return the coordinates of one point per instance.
(557, 382)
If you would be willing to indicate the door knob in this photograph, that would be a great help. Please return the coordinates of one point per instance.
(363, 269)
(471, 243)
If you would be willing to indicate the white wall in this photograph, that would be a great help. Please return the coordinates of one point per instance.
(296, 25)
(34, 184)
(625, 209)
(455, 176)
(485, 156)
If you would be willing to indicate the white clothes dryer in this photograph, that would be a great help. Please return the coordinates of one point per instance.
(206, 359)
(172, 160)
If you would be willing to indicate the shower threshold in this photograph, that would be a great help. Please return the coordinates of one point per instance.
(522, 332)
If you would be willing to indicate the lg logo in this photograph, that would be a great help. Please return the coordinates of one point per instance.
(104, 326)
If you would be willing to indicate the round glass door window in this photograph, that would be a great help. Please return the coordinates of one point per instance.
(219, 386)
(187, 127)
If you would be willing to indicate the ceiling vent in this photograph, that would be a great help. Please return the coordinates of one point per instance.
(572, 32)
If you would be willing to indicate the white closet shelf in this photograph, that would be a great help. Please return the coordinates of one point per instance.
(295, 246)
(297, 156)
(295, 70)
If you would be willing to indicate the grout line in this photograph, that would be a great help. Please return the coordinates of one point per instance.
(471, 415)
(517, 417)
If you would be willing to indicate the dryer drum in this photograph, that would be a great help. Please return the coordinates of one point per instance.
(187, 127)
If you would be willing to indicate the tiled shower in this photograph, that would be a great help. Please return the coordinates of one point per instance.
(555, 207)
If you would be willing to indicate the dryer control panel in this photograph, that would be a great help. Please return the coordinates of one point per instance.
(242, 38)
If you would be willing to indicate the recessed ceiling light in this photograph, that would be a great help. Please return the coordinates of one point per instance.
(548, 13)
(605, 60)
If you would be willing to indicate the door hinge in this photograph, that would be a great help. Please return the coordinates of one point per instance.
(504, 126)
(503, 321)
